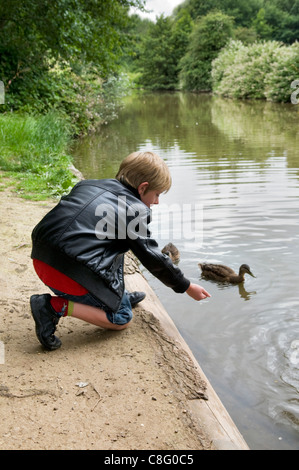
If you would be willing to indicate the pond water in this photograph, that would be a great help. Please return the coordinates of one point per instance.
(239, 162)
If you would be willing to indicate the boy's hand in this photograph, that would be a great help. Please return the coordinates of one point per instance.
(197, 292)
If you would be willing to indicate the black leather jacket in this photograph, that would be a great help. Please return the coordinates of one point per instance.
(72, 239)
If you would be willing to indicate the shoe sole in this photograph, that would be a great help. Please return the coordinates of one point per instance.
(39, 327)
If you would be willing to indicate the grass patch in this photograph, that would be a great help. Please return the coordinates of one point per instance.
(33, 153)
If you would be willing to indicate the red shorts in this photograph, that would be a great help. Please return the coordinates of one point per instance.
(55, 279)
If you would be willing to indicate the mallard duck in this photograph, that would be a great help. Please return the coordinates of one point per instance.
(171, 250)
(218, 272)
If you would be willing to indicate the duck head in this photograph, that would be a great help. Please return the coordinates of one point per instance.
(245, 269)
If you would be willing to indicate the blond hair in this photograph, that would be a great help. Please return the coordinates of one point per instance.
(140, 167)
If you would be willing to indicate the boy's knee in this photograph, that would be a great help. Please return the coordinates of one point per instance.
(119, 327)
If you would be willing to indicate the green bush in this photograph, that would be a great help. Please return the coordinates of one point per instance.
(81, 96)
(284, 70)
(263, 70)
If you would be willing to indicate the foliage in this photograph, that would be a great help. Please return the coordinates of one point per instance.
(162, 50)
(208, 37)
(257, 71)
(86, 30)
(275, 19)
(260, 25)
(81, 95)
(136, 29)
(283, 17)
(245, 35)
(157, 63)
(240, 71)
(33, 151)
(50, 49)
(242, 10)
(284, 70)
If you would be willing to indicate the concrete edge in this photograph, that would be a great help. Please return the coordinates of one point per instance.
(211, 415)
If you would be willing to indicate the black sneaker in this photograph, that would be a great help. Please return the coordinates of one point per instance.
(46, 321)
(135, 297)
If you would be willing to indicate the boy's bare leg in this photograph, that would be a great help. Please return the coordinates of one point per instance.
(95, 316)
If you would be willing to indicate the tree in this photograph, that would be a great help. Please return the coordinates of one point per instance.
(241, 10)
(261, 26)
(157, 62)
(180, 36)
(137, 28)
(272, 19)
(283, 17)
(209, 36)
(36, 33)
(163, 48)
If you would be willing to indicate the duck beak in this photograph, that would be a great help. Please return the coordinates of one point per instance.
(250, 273)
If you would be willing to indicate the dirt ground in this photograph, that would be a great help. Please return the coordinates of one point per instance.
(101, 389)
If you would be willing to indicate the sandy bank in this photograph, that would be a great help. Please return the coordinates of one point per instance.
(134, 389)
